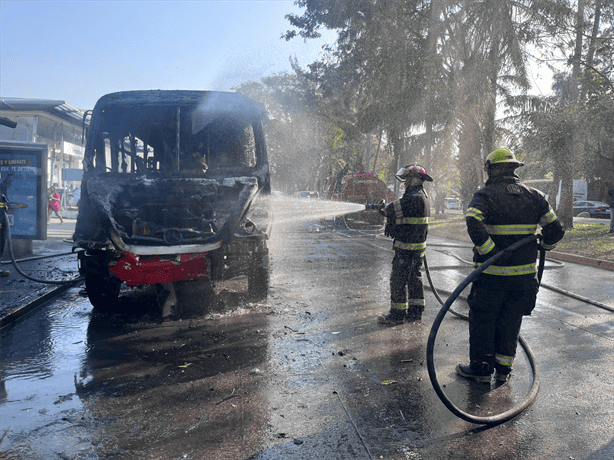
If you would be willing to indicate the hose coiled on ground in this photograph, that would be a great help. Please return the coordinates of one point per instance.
(531, 395)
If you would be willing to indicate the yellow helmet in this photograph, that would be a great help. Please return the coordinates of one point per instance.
(501, 157)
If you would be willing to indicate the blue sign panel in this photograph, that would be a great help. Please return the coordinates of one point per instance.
(22, 178)
(72, 174)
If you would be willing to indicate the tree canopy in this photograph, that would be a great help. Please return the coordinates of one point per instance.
(442, 83)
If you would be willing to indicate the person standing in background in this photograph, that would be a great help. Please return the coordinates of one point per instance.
(54, 205)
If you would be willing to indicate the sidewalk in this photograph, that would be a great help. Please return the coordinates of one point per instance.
(564, 257)
(18, 295)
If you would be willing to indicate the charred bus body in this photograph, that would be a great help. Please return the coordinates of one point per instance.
(175, 188)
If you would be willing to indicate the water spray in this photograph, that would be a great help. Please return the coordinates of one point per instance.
(293, 210)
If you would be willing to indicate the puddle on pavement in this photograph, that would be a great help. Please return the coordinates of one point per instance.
(48, 360)
(38, 356)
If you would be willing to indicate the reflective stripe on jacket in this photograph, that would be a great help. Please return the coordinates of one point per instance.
(402, 220)
(407, 221)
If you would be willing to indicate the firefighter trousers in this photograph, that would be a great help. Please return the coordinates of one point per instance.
(406, 290)
(495, 317)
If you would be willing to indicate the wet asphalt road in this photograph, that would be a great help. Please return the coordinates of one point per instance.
(307, 374)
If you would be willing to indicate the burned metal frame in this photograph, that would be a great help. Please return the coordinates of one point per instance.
(172, 175)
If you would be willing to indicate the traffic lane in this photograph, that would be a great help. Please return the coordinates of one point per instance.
(590, 327)
(320, 378)
(376, 375)
(188, 389)
(493, 441)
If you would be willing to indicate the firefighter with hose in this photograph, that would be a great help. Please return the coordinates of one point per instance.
(500, 214)
(407, 222)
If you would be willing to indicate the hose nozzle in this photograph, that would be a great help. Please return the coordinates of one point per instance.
(376, 207)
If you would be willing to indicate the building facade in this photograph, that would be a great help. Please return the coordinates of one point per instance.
(55, 123)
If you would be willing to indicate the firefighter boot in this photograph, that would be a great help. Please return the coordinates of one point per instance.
(394, 318)
(503, 367)
(503, 376)
(479, 373)
(503, 373)
(414, 314)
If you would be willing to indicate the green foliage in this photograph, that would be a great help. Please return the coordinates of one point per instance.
(586, 240)
(428, 79)
(293, 131)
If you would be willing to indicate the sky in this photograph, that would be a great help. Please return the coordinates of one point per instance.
(77, 51)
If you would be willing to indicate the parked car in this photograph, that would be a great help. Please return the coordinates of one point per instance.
(597, 209)
(451, 203)
(307, 194)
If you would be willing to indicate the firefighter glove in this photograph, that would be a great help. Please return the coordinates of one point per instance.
(547, 247)
(543, 245)
(389, 230)
(381, 207)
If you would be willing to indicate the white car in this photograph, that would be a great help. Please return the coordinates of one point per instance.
(307, 194)
(451, 203)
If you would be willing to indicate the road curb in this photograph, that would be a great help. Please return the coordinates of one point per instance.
(596, 263)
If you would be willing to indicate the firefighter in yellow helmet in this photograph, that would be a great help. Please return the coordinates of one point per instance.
(407, 222)
(500, 214)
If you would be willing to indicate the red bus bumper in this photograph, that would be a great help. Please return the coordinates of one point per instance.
(136, 270)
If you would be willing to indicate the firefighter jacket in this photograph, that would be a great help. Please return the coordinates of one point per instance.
(407, 221)
(502, 213)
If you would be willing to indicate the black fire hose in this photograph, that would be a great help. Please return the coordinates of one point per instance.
(532, 394)
(437, 296)
(7, 232)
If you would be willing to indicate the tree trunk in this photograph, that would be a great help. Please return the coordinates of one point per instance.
(566, 206)
(592, 44)
(368, 154)
(565, 210)
(397, 151)
(577, 57)
(379, 145)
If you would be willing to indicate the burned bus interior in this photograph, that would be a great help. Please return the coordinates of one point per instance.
(167, 172)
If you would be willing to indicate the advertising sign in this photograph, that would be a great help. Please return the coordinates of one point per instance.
(23, 180)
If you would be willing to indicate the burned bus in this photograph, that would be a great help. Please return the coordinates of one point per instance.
(174, 189)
